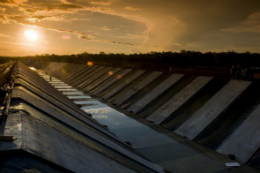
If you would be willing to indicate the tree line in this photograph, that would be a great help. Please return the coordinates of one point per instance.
(182, 58)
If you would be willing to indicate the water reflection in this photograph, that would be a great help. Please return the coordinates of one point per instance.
(67, 90)
(79, 97)
(72, 93)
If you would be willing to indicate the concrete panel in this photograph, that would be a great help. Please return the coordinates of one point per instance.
(82, 73)
(196, 163)
(209, 111)
(88, 75)
(95, 76)
(155, 93)
(13, 127)
(179, 99)
(126, 71)
(79, 76)
(245, 139)
(50, 144)
(123, 83)
(74, 73)
(101, 79)
(137, 88)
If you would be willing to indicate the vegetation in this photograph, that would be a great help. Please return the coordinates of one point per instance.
(183, 58)
(187, 62)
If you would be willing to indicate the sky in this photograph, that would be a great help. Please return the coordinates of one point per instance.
(30, 27)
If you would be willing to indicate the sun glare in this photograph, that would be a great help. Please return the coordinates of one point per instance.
(31, 35)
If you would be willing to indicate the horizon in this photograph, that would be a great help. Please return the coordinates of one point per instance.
(66, 27)
(138, 53)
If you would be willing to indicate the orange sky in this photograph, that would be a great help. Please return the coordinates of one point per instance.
(128, 26)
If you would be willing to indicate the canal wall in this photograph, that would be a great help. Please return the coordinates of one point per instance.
(218, 113)
(46, 132)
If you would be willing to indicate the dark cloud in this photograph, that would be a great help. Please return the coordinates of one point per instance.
(195, 19)
(122, 43)
(11, 3)
(89, 37)
(83, 36)
(251, 24)
(42, 7)
(60, 7)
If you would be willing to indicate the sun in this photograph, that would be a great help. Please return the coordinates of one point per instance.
(31, 35)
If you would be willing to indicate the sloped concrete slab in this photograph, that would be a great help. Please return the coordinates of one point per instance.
(101, 79)
(155, 93)
(179, 99)
(209, 111)
(123, 83)
(116, 78)
(245, 140)
(137, 88)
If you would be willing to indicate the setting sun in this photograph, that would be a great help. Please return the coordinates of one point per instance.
(31, 35)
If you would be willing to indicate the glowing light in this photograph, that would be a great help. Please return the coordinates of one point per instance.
(119, 76)
(65, 37)
(90, 63)
(110, 73)
(31, 35)
(32, 68)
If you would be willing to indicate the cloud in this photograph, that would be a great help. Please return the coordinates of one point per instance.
(41, 7)
(157, 26)
(132, 9)
(132, 36)
(39, 18)
(21, 20)
(2, 9)
(105, 28)
(76, 19)
(117, 42)
(3, 19)
(5, 36)
(62, 7)
(101, 3)
(251, 24)
(176, 44)
(99, 9)
(12, 3)
(24, 21)
(84, 36)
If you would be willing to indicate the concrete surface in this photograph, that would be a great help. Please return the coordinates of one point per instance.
(137, 88)
(209, 111)
(245, 139)
(101, 79)
(124, 83)
(155, 93)
(177, 100)
(115, 78)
